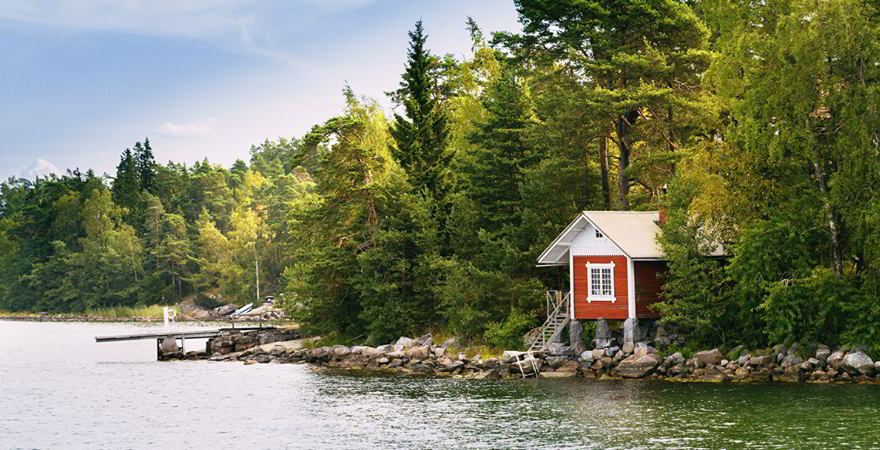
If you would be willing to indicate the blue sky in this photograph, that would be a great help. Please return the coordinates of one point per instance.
(80, 80)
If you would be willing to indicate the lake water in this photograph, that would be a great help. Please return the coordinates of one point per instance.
(59, 389)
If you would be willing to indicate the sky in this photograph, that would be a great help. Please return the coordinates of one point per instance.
(81, 80)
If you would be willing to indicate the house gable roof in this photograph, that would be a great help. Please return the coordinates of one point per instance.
(634, 232)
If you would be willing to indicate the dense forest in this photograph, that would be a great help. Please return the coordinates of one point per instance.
(753, 123)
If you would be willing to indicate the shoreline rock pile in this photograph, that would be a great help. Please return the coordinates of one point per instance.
(635, 361)
(229, 342)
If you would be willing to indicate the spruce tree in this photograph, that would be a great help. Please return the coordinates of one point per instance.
(126, 185)
(502, 152)
(146, 166)
(420, 138)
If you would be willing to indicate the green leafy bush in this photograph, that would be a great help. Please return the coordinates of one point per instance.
(203, 301)
(509, 333)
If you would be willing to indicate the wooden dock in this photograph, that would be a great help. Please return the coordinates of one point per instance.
(182, 335)
(196, 334)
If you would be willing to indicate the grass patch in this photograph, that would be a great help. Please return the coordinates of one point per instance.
(485, 351)
(128, 312)
(18, 314)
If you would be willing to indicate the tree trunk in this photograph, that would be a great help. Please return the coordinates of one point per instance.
(669, 131)
(603, 164)
(831, 216)
(624, 124)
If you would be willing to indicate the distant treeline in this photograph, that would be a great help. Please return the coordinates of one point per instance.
(753, 123)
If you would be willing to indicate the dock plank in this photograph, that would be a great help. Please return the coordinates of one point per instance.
(193, 334)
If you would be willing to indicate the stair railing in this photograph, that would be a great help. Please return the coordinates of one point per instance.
(558, 307)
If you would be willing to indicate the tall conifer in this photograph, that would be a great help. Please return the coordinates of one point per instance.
(420, 138)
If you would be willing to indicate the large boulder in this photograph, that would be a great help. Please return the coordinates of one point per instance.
(509, 356)
(822, 354)
(341, 350)
(603, 342)
(675, 359)
(567, 370)
(559, 349)
(709, 357)
(223, 311)
(404, 342)
(426, 339)
(642, 349)
(791, 360)
(637, 366)
(385, 348)
(371, 352)
(556, 361)
(528, 365)
(421, 352)
(836, 359)
(760, 360)
(448, 365)
(169, 345)
(858, 363)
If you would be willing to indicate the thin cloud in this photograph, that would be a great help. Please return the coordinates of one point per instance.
(39, 168)
(246, 26)
(192, 129)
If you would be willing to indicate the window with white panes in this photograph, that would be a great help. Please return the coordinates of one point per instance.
(600, 281)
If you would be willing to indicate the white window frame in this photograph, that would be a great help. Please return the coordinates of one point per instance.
(599, 298)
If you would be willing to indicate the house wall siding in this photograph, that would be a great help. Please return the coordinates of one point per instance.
(586, 243)
(600, 309)
(648, 287)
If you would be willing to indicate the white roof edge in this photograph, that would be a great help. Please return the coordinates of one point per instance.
(556, 241)
(635, 236)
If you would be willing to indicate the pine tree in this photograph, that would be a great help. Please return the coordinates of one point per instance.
(420, 138)
(640, 63)
(146, 166)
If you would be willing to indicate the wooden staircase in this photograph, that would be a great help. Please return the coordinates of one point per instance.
(557, 318)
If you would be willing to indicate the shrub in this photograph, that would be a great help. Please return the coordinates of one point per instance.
(205, 302)
(509, 334)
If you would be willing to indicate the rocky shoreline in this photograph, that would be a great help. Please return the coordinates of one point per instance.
(638, 361)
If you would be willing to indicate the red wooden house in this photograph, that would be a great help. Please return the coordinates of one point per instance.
(614, 261)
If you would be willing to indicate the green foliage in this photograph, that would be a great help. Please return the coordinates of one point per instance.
(509, 333)
(786, 182)
(203, 301)
(808, 308)
(752, 123)
(421, 138)
(636, 65)
(696, 291)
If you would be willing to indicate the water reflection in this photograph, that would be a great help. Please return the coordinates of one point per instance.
(60, 389)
